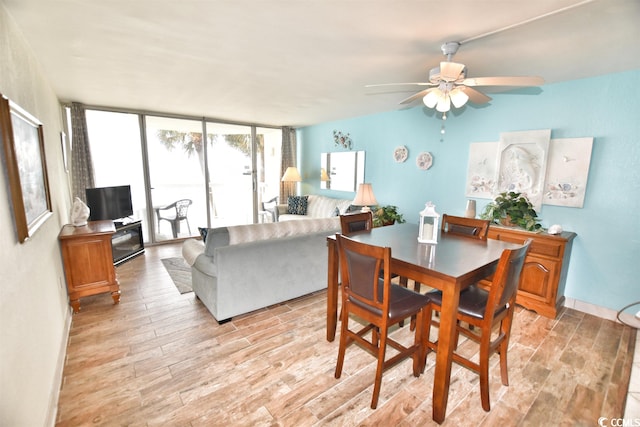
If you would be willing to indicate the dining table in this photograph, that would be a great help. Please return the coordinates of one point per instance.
(450, 265)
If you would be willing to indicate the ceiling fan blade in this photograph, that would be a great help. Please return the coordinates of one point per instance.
(450, 71)
(415, 96)
(503, 81)
(475, 96)
(401, 84)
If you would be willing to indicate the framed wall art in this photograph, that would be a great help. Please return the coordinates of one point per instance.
(522, 163)
(548, 171)
(23, 144)
(567, 172)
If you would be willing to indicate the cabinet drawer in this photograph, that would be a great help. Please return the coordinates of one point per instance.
(538, 246)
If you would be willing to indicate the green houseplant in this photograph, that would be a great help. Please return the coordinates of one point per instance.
(386, 215)
(512, 209)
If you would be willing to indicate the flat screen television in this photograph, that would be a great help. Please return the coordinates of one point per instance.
(109, 202)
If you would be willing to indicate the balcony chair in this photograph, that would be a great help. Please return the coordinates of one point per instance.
(174, 213)
(484, 310)
(270, 207)
(380, 305)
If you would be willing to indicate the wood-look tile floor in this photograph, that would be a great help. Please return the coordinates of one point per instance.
(160, 359)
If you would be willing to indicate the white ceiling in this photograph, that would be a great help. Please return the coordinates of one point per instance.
(300, 62)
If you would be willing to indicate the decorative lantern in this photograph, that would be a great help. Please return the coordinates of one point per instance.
(429, 219)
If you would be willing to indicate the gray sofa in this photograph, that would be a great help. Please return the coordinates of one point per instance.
(243, 268)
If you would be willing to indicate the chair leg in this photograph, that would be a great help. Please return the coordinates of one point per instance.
(505, 328)
(416, 288)
(419, 357)
(382, 347)
(426, 332)
(484, 380)
(342, 346)
(404, 282)
(175, 229)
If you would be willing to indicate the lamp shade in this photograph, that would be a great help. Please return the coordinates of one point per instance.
(458, 97)
(365, 196)
(323, 175)
(291, 175)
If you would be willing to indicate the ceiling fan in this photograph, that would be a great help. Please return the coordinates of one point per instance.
(448, 84)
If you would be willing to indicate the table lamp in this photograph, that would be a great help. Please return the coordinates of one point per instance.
(365, 197)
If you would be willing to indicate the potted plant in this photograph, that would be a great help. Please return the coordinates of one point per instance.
(512, 209)
(386, 215)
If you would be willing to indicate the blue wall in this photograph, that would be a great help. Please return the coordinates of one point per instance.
(605, 261)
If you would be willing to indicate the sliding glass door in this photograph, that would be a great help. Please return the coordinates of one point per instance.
(175, 151)
(231, 174)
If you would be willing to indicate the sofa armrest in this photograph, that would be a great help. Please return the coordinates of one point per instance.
(191, 248)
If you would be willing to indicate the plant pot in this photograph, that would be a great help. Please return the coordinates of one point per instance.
(506, 221)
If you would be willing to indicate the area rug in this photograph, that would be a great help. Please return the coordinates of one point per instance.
(180, 273)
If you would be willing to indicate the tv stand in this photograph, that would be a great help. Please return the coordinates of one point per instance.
(126, 242)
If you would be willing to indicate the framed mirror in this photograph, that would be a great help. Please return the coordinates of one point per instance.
(345, 170)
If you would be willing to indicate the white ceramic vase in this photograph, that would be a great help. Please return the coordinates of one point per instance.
(470, 212)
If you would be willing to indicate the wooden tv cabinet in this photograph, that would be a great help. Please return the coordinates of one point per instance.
(545, 270)
(88, 262)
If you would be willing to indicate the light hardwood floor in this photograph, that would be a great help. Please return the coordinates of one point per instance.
(159, 358)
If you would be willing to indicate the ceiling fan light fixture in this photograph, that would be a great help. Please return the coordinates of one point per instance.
(458, 97)
(444, 103)
(431, 98)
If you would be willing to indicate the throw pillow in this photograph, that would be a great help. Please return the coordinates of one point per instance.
(336, 212)
(203, 233)
(297, 205)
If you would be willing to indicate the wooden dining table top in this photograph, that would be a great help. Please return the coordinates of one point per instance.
(453, 258)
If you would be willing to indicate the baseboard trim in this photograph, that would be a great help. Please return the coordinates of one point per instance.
(52, 412)
(594, 310)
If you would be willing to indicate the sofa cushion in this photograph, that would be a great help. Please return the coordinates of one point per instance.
(216, 237)
(297, 205)
(324, 207)
(276, 230)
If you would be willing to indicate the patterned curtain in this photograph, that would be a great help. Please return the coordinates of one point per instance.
(289, 158)
(82, 176)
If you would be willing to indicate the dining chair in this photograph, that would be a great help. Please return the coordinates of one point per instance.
(379, 304)
(484, 310)
(363, 221)
(355, 222)
(467, 227)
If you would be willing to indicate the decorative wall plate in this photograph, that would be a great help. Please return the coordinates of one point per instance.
(424, 160)
(400, 154)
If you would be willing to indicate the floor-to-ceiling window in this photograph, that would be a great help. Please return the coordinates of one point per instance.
(225, 176)
(115, 143)
(175, 150)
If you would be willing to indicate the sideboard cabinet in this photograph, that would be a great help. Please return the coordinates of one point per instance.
(88, 263)
(544, 272)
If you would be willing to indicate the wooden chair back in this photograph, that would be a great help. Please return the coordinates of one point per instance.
(355, 222)
(467, 227)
